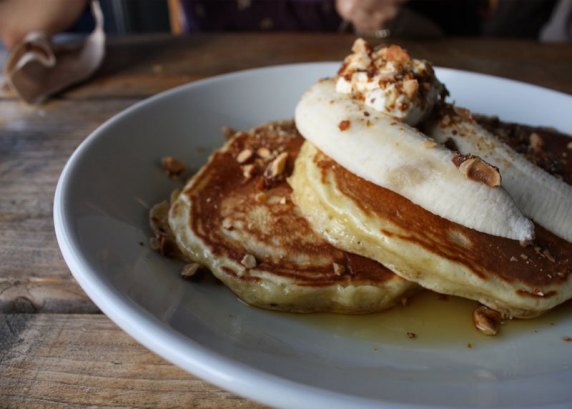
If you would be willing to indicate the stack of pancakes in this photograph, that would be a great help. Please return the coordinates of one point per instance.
(236, 217)
(286, 228)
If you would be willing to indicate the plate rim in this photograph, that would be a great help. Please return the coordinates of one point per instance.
(182, 351)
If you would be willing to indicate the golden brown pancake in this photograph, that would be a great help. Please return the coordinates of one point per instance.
(360, 217)
(235, 216)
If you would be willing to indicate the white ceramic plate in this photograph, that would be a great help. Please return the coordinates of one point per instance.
(100, 215)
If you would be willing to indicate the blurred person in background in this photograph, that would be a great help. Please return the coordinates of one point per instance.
(534, 19)
(38, 67)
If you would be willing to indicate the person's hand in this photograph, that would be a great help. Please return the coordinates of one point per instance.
(368, 16)
(20, 17)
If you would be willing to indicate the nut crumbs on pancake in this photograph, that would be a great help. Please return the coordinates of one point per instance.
(172, 166)
(264, 153)
(244, 155)
(248, 261)
(277, 166)
(536, 142)
(248, 171)
(487, 321)
(338, 269)
(260, 197)
(227, 223)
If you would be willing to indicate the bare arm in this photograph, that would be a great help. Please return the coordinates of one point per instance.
(19, 17)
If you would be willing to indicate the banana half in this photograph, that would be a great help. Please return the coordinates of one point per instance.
(396, 156)
(539, 195)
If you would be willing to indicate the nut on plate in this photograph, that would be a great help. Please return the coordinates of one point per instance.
(486, 320)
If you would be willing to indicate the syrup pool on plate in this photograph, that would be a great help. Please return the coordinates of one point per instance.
(432, 319)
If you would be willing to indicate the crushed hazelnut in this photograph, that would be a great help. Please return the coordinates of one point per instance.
(248, 171)
(190, 270)
(228, 132)
(446, 120)
(487, 321)
(410, 87)
(549, 256)
(476, 169)
(227, 223)
(260, 197)
(344, 125)
(277, 166)
(339, 269)
(536, 142)
(248, 261)
(244, 156)
(429, 143)
(264, 153)
(283, 200)
(172, 166)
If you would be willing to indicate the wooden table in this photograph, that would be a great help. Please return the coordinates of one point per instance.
(56, 348)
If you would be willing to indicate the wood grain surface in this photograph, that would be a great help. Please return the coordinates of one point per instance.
(62, 360)
(56, 350)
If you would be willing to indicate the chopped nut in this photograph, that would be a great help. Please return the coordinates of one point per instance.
(277, 166)
(339, 269)
(549, 256)
(190, 270)
(446, 120)
(410, 87)
(244, 156)
(248, 261)
(264, 153)
(283, 200)
(227, 223)
(536, 142)
(172, 166)
(513, 258)
(248, 171)
(429, 143)
(260, 197)
(487, 321)
(227, 132)
(524, 256)
(476, 169)
(344, 125)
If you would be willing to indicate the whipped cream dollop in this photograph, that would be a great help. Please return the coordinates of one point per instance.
(390, 81)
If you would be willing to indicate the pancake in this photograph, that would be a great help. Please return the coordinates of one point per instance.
(363, 218)
(236, 217)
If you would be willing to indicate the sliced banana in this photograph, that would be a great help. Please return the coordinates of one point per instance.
(398, 157)
(538, 194)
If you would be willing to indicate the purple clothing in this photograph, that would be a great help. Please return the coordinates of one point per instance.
(254, 15)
